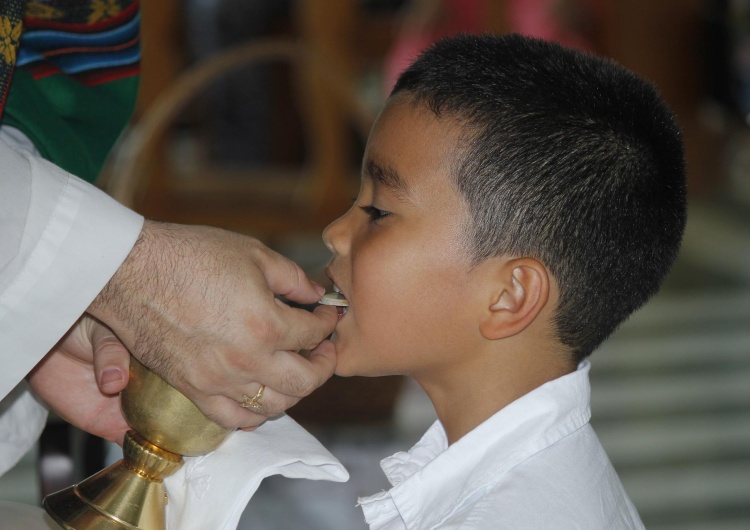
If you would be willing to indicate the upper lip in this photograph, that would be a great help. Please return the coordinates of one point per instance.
(333, 281)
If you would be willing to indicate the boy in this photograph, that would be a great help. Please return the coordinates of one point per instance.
(519, 200)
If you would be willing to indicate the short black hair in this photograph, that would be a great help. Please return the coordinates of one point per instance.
(568, 158)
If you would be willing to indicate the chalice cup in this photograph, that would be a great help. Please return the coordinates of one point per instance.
(130, 493)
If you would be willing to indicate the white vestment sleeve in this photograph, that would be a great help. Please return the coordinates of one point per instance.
(22, 418)
(61, 240)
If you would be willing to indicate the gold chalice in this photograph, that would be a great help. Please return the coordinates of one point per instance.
(130, 494)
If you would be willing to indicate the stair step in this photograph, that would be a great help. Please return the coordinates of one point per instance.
(690, 493)
(691, 310)
(685, 350)
(651, 395)
(667, 441)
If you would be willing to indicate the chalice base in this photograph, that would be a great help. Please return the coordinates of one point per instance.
(116, 498)
(130, 494)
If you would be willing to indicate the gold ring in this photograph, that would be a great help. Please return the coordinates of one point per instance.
(252, 402)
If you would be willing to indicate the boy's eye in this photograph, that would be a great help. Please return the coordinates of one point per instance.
(373, 213)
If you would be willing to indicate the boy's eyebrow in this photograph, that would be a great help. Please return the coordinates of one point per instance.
(386, 176)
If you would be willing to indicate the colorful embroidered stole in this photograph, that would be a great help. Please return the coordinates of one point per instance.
(74, 68)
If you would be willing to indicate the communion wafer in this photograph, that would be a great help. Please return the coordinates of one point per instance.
(334, 299)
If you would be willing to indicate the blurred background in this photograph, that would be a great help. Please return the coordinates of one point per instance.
(253, 115)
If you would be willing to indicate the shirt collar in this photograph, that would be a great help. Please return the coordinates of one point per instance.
(432, 480)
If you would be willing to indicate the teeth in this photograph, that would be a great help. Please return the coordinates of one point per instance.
(336, 288)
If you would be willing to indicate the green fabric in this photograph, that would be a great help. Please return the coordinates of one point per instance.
(71, 124)
(11, 26)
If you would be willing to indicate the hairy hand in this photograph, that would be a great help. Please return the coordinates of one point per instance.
(80, 379)
(197, 305)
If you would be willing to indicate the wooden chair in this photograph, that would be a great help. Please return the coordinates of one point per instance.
(267, 202)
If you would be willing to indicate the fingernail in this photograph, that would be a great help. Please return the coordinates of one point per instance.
(318, 288)
(111, 376)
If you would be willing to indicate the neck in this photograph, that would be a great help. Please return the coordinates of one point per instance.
(470, 394)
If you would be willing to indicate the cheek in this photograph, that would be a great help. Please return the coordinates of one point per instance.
(383, 287)
(404, 292)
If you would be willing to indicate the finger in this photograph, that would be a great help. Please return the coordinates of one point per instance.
(286, 278)
(267, 402)
(111, 360)
(323, 358)
(299, 377)
(228, 413)
(303, 330)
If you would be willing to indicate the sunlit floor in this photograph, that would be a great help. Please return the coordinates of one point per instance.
(671, 403)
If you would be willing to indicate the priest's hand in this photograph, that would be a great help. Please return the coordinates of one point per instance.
(200, 307)
(80, 379)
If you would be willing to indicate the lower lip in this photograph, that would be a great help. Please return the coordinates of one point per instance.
(341, 312)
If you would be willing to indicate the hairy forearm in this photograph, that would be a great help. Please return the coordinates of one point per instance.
(111, 302)
(132, 302)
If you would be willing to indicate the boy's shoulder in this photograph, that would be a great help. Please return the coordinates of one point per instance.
(569, 484)
(541, 464)
(536, 463)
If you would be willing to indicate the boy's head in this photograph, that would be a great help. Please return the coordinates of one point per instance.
(556, 156)
(568, 158)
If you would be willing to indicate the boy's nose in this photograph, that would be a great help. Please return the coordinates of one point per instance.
(334, 236)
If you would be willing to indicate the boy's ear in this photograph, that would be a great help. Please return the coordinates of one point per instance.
(520, 292)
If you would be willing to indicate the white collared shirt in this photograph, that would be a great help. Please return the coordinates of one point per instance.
(61, 240)
(536, 464)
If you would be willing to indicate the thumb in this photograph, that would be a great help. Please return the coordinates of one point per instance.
(111, 360)
(286, 278)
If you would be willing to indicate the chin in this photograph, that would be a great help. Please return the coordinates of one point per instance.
(349, 369)
(353, 361)
(344, 371)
